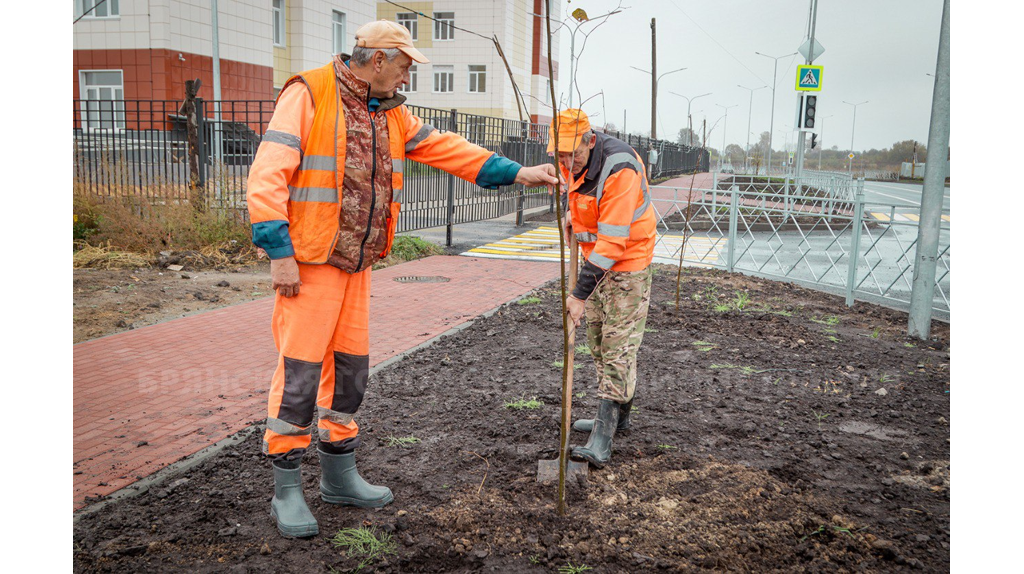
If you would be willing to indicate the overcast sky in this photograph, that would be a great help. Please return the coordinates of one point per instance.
(875, 50)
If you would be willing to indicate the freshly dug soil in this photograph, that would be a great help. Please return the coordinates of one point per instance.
(108, 301)
(796, 435)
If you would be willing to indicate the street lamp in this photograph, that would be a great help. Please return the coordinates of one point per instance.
(572, 43)
(654, 95)
(771, 128)
(689, 118)
(750, 109)
(853, 127)
(821, 145)
(724, 128)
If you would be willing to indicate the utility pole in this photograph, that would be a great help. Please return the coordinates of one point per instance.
(654, 81)
(931, 201)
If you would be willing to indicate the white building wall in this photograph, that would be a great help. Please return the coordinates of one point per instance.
(246, 28)
(312, 34)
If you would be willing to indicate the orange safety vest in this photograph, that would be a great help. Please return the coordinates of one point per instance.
(610, 205)
(312, 203)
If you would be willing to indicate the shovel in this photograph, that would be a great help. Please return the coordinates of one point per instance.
(547, 470)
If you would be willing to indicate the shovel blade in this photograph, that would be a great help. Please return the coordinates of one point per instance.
(547, 471)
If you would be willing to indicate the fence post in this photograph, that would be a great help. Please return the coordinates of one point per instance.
(453, 123)
(201, 133)
(734, 208)
(195, 179)
(521, 193)
(858, 215)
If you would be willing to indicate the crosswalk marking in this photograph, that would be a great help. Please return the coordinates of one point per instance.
(901, 217)
(541, 244)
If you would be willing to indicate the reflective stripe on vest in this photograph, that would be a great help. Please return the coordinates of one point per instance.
(319, 162)
(586, 237)
(600, 260)
(614, 160)
(613, 230)
(318, 194)
(397, 166)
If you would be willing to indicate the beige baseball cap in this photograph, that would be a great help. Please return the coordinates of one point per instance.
(388, 34)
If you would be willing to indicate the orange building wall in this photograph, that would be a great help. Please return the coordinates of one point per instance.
(161, 75)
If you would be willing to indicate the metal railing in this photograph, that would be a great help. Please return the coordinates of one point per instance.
(140, 149)
(865, 252)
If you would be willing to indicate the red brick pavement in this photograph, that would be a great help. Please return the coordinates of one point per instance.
(148, 397)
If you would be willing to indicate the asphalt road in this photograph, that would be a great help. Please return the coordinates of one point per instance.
(907, 194)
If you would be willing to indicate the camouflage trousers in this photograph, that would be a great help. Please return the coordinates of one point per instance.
(616, 317)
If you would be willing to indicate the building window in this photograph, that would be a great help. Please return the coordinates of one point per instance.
(408, 19)
(338, 28)
(411, 86)
(444, 78)
(278, 12)
(477, 79)
(101, 9)
(444, 25)
(102, 99)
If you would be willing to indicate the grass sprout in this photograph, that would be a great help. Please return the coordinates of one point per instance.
(522, 403)
(365, 544)
(401, 441)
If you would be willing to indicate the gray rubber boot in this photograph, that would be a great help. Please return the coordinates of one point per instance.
(288, 507)
(587, 425)
(340, 483)
(599, 448)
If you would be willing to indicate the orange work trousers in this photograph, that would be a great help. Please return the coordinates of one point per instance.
(322, 338)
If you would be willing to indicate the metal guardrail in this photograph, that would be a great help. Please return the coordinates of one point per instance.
(865, 253)
(140, 149)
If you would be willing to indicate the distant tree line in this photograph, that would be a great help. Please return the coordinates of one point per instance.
(832, 159)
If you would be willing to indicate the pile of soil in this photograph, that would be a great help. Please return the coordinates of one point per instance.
(784, 432)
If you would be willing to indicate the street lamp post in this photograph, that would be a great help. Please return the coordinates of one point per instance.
(771, 129)
(853, 127)
(654, 93)
(750, 108)
(725, 127)
(689, 118)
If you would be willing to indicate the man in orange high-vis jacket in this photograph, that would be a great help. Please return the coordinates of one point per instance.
(324, 194)
(610, 212)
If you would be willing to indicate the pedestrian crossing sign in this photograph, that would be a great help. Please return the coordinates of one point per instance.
(808, 78)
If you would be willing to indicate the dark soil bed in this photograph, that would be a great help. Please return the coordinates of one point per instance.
(794, 435)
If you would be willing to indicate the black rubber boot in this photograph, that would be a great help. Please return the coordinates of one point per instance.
(599, 448)
(288, 507)
(340, 483)
(587, 425)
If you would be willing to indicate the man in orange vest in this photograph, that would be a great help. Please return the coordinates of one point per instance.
(324, 193)
(609, 210)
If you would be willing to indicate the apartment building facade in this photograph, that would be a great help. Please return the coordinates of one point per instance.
(147, 49)
(465, 70)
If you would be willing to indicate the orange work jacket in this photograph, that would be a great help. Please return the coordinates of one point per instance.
(610, 207)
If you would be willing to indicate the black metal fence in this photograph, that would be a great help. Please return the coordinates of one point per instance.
(141, 149)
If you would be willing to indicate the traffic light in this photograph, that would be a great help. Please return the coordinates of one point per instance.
(809, 112)
(814, 140)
